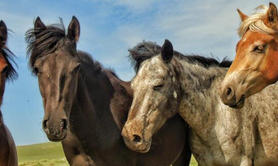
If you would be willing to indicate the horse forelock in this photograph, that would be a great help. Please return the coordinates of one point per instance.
(43, 42)
(142, 51)
(255, 22)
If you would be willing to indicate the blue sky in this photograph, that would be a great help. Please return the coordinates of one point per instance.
(108, 29)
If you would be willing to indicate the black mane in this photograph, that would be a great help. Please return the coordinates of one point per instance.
(42, 42)
(93, 65)
(146, 50)
(90, 63)
(8, 55)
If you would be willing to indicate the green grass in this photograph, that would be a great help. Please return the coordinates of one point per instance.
(48, 154)
(193, 162)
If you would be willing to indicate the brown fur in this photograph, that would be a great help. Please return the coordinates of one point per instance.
(8, 155)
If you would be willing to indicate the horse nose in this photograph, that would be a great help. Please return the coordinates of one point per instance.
(55, 129)
(137, 138)
(232, 98)
(45, 124)
(63, 124)
(229, 93)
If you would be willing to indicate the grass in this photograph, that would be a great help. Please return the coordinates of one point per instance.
(48, 154)
(193, 162)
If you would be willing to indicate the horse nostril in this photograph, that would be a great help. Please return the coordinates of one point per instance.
(44, 124)
(136, 138)
(63, 124)
(228, 91)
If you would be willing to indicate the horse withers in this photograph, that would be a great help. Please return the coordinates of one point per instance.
(8, 154)
(256, 62)
(86, 105)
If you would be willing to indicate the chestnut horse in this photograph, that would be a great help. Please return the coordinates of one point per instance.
(168, 83)
(86, 105)
(256, 62)
(8, 155)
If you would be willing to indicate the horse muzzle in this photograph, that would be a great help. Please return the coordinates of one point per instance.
(55, 131)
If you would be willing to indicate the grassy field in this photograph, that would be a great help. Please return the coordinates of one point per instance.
(47, 154)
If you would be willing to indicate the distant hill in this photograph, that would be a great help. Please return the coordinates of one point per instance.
(46, 154)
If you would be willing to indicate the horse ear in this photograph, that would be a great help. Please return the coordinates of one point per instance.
(3, 33)
(74, 29)
(242, 15)
(39, 25)
(272, 14)
(167, 51)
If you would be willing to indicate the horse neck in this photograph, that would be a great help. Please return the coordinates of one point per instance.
(122, 99)
(91, 110)
(200, 94)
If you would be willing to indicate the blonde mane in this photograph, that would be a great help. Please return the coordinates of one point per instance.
(255, 22)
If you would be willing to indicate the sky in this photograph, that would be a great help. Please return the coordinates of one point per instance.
(108, 29)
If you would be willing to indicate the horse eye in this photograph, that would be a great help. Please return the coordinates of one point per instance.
(259, 48)
(76, 68)
(158, 87)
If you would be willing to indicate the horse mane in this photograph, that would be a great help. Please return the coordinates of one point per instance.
(42, 42)
(92, 64)
(255, 22)
(87, 59)
(146, 50)
(8, 55)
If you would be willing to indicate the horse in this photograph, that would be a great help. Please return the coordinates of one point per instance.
(86, 105)
(254, 67)
(168, 83)
(8, 154)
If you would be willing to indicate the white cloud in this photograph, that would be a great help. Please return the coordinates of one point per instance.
(136, 4)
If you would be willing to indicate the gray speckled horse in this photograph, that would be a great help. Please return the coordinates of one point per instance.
(168, 83)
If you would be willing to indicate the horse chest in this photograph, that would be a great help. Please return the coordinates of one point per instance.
(104, 149)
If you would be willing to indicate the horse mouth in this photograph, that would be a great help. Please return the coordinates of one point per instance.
(55, 139)
(142, 147)
(239, 104)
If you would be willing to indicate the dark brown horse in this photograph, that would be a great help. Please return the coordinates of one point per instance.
(8, 156)
(86, 105)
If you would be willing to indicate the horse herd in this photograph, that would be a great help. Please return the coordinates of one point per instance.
(224, 113)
